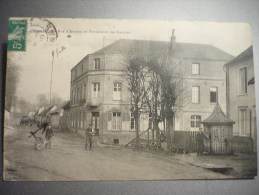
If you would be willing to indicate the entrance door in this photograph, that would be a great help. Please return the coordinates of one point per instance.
(95, 122)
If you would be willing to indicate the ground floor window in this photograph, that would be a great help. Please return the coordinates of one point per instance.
(82, 120)
(77, 119)
(95, 120)
(132, 122)
(243, 121)
(195, 121)
(116, 120)
(73, 119)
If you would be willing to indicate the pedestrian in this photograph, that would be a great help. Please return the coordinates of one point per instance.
(200, 141)
(48, 136)
(89, 132)
(44, 126)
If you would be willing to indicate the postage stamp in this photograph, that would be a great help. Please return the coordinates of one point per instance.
(17, 35)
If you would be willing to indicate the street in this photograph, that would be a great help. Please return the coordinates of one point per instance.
(68, 161)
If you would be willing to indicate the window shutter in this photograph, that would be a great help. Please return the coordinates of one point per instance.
(109, 121)
(109, 116)
(127, 116)
(248, 122)
(123, 116)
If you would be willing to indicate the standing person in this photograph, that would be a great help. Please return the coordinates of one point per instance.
(88, 136)
(200, 141)
(48, 136)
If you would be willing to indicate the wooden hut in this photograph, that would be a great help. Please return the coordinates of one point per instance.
(220, 130)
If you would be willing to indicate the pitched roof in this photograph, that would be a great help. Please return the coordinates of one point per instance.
(248, 52)
(184, 50)
(46, 111)
(65, 105)
(218, 117)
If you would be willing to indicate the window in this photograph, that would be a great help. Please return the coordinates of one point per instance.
(75, 96)
(195, 95)
(96, 63)
(82, 69)
(96, 90)
(116, 120)
(72, 119)
(81, 92)
(72, 97)
(213, 94)
(79, 119)
(132, 122)
(195, 121)
(243, 121)
(117, 91)
(75, 73)
(195, 68)
(85, 91)
(78, 93)
(242, 81)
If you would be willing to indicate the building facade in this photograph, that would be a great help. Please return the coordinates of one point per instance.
(99, 92)
(60, 117)
(44, 116)
(241, 105)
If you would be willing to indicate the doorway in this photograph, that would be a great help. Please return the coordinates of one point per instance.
(95, 122)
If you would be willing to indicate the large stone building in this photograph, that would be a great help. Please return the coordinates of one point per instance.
(241, 105)
(99, 92)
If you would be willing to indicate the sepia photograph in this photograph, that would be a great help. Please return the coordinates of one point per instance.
(109, 99)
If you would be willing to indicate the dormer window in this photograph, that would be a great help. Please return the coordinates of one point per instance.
(97, 64)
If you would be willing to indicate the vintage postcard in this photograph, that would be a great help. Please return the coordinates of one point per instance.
(106, 99)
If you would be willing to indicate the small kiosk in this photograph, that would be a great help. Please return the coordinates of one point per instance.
(219, 128)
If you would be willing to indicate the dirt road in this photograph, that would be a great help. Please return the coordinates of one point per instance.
(67, 160)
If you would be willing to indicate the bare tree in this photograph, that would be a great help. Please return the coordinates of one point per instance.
(171, 90)
(12, 78)
(158, 83)
(25, 106)
(136, 75)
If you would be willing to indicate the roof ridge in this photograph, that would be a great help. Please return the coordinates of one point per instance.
(246, 52)
(183, 49)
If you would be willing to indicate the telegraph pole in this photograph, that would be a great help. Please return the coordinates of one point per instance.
(50, 88)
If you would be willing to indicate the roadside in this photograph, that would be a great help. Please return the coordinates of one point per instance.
(68, 161)
(238, 165)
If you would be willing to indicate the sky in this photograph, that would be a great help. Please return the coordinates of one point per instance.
(77, 38)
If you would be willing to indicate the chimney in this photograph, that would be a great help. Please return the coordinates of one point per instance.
(172, 40)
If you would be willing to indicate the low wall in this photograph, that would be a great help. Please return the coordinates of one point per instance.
(242, 144)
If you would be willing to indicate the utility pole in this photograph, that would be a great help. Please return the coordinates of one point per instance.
(51, 77)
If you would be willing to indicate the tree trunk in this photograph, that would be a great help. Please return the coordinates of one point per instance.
(170, 131)
(136, 118)
(156, 128)
(153, 133)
